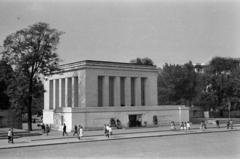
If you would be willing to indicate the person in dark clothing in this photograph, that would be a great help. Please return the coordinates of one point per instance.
(43, 128)
(228, 124)
(217, 123)
(75, 130)
(64, 130)
(231, 123)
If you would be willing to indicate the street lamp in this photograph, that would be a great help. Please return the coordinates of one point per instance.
(180, 115)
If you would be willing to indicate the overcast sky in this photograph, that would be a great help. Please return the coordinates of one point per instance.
(109, 30)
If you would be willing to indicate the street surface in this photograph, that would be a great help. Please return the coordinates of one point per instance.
(219, 145)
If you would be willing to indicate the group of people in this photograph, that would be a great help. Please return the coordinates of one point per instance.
(107, 130)
(78, 131)
(184, 126)
(45, 129)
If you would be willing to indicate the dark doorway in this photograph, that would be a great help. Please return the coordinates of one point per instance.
(134, 120)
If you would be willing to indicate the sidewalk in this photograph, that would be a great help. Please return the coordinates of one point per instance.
(55, 137)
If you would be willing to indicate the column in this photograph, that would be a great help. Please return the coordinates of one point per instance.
(56, 93)
(106, 91)
(46, 94)
(146, 84)
(117, 91)
(74, 92)
(69, 89)
(138, 91)
(63, 96)
(60, 93)
(66, 92)
(127, 91)
(50, 94)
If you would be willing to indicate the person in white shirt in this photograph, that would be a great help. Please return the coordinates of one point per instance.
(188, 126)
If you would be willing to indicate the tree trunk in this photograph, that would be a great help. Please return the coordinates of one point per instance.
(30, 105)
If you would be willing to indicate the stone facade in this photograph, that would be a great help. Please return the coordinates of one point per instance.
(90, 93)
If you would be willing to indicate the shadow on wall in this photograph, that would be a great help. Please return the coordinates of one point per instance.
(57, 119)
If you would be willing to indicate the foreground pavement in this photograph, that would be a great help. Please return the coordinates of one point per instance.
(55, 137)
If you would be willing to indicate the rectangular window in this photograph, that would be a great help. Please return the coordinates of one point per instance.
(111, 91)
(100, 91)
(122, 91)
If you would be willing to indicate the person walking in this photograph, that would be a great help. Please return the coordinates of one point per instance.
(217, 123)
(75, 130)
(80, 133)
(173, 126)
(231, 123)
(202, 126)
(181, 126)
(47, 129)
(188, 126)
(12, 135)
(43, 128)
(105, 130)
(64, 130)
(228, 124)
(110, 130)
(9, 135)
(185, 126)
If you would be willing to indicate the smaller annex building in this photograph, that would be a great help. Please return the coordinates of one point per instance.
(93, 93)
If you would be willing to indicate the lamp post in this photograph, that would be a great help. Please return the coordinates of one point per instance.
(180, 115)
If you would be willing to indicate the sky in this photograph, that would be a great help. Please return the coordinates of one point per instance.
(166, 31)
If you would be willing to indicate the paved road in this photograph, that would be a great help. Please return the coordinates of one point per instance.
(222, 145)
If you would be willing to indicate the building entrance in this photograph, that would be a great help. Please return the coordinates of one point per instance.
(135, 120)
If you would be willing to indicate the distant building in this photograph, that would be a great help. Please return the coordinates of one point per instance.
(200, 67)
(93, 93)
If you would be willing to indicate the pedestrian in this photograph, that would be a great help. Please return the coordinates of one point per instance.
(43, 128)
(110, 130)
(173, 126)
(9, 135)
(204, 124)
(228, 124)
(217, 123)
(185, 126)
(188, 126)
(75, 130)
(64, 130)
(80, 134)
(181, 126)
(47, 129)
(12, 136)
(202, 127)
(105, 130)
(231, 123)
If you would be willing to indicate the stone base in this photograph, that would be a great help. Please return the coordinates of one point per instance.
(96, 117)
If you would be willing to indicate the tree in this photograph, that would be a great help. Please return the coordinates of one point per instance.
(32, 51)
(6, 74)
(177, 84)
(221, 72)
(142, 61)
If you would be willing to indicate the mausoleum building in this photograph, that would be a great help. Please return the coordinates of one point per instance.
(92, 93)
